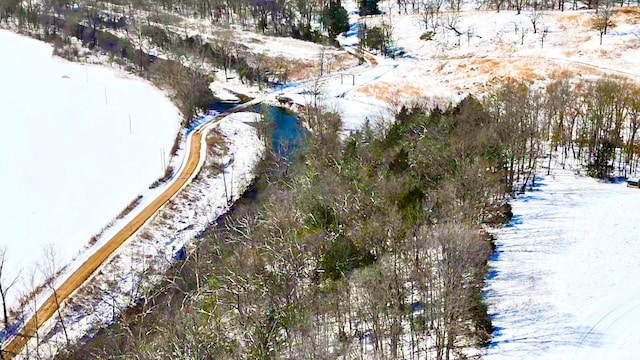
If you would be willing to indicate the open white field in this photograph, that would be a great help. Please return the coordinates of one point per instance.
(563, 283)
(493, 46)
(71, 160)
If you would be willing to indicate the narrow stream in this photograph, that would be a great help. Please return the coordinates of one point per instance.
(287, 134)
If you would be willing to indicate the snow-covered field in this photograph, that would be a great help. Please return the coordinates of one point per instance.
(495, 46)
(78, 144)
(563, 283)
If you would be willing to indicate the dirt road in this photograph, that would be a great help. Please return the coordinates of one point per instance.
(48, 309)
(75, 280)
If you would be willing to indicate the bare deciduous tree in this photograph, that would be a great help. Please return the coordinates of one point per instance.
(226, 47)
(50, 270)
(523, 33)
(543, 36)
(601, 21)
(534, 17)
(5, 286)
(452, 22)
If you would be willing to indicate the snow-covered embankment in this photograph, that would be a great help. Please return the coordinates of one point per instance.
(141, 261)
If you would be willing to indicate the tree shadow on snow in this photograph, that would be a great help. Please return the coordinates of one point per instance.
(538, 331)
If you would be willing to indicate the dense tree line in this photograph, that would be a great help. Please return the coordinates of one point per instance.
(584, 123)
(277, 17)
(371, 247)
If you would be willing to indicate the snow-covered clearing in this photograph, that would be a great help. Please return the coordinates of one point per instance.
(495, 46)
(73, 161)
(563, 283)
(338, 92)
(78, 144)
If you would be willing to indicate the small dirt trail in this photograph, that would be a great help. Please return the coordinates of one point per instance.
(78, 277)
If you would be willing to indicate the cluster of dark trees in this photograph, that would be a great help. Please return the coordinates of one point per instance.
(335, 19)
(371, 247)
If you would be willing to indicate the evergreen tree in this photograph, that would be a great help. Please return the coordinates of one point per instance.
(368, 7)
(335, 19)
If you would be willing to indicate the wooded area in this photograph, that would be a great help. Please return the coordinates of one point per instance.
(370, 248)
(593, 123)
(374, 247)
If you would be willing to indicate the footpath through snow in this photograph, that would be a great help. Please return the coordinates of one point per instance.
(563, 283)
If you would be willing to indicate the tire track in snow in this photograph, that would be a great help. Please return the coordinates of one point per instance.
(605, 323)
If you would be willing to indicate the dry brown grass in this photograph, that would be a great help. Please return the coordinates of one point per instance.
(216, 145)
(129, 207)
(487, 65)
(627, 10)
(606, 53)
(215, 138)
(390, 92)
(629, 15)
(574, 20)
(561, 73)
(296, 69)
(146, 235)
(303, 70)
(439, 67)
(371, 59)
(167, 174)
(526, 73)
(343, 61)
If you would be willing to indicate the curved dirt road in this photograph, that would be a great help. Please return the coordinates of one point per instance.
(77, 278)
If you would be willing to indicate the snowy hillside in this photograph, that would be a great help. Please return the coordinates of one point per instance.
(563, 282)
(78, 143)
(493, 46)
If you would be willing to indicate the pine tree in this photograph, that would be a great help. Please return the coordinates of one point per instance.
(335, 19)
(368, 7)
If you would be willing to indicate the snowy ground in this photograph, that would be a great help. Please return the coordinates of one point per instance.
(492, 48)
(563, 283)
(71, 159)
(339, 92)
(140, 261)
(83, 148)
